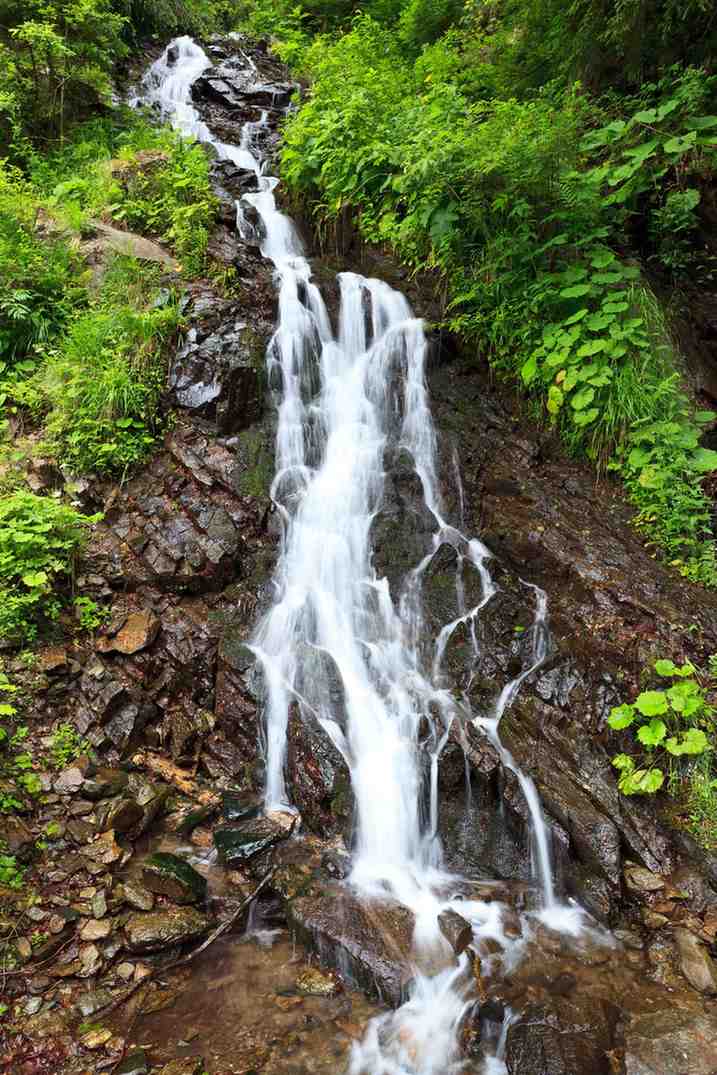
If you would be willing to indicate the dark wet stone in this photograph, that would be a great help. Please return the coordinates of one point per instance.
(104, 784)
(568, 1037)
(240, 843)
(317, 776)
(16, 836)
(134, 1063)
(171, 876)
(158, 930)
(120, 814)
(369, 944)
(456, 930)
(240, 806)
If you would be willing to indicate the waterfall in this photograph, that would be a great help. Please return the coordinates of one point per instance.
(346, 399)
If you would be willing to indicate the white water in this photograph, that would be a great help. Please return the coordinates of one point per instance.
(347, 398)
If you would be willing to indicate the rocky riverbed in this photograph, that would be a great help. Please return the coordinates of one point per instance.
(158, 838)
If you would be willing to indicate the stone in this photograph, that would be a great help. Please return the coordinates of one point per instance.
(155, 931)
(104, 850)
(134, 1063)
(104, 784)
(125, 971)
(640, 880)
(457, 931)
(96, 929)
(23, 947)
(93, 1001)
(567, 1036)
(240, 843)
(313, 982)
(120, 814)
(188, 1065)
(671, 1042)
(90, 960)
(16, 836)
(171, 876)
(239, 806)
(95, 1039)
(99, 904)
(696, 964)
(69, 781)
(370, 944)
(138, 632)
(136, 896)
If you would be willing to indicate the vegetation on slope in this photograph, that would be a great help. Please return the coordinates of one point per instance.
(551, 163)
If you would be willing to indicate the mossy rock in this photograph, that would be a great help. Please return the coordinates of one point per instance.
(171, 876)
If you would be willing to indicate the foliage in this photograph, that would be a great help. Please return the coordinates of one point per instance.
(136, 175)
(103, 383)
(11, 874)
(39, 280)
(543, 214)
(669, 724)
(39, 537)
(90, 614)
(56, 60)
(66, 745)
(15, 763)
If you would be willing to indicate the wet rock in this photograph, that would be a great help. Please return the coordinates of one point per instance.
(96, 929)
(642, 881)
(16, 836)
(69, 781)
(370, 943)
(695, 962)
(314, 982)
(157, 930)
(104, 850)
(171, 876)
(570, 1036)
(240, 843)
(104, 784)
(457, 931)
(92, 1001)
(138, 631)
(240, 806)
(134, 1063)
(318, 777)
(219, 375)
(188, 1065)
(671, 1042)
(120, 814)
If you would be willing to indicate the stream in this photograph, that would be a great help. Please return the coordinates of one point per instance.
(347, 396)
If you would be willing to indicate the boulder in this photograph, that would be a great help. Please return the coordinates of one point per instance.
(158, 930)
(671, 1041)
(237, 844)
(171, 876)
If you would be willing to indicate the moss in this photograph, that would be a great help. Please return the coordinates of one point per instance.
(256, 464)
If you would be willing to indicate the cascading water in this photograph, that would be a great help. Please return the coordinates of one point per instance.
(346, 399)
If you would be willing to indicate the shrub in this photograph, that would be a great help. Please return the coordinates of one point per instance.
(66, 745)
(104, 384)
(39, 537)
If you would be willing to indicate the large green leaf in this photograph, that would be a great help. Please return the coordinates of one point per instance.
(650, 735)
(621, 716)
(651, 703)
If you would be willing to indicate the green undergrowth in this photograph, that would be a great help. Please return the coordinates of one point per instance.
(548, 209)
(671, 744)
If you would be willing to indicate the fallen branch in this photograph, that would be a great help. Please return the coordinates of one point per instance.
(174, 775)
(183, 960)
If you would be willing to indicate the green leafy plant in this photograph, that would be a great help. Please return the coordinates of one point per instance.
(39, 537)
(66, 745)
(90, 614)
(669, 724)
(11, 875)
